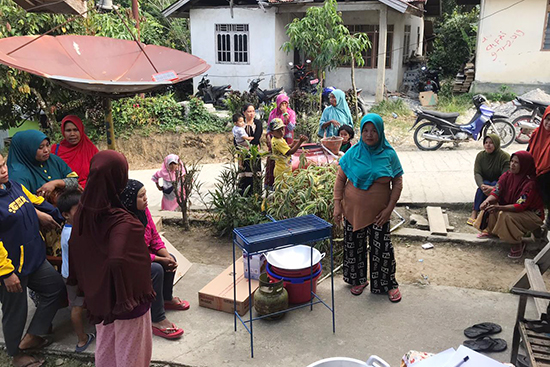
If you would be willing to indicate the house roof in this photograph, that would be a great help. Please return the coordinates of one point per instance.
(181, 7)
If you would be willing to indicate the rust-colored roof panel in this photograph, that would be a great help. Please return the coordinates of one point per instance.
(99, 64)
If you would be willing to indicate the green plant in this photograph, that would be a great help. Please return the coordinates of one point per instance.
(308, 125)
(304, 103)
(390, 106)
(235, 101)
(199, 120)
(266, 110)
(504, 94)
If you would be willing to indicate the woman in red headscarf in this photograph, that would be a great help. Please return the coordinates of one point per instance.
(76, 149)
(539, 147)
(515, 205)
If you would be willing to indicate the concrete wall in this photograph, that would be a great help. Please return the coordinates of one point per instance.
(366, 78)
(284, 77)
(261, 40)
(509, 45)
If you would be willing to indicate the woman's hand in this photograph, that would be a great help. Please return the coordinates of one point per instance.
(383, 217)
(335, 123)
(12, 283)
(338, 214)
(484, 204)
(494, 208)
(486, 189)
(283, 108)
(168, 263)
(46, 221)
(46, 189)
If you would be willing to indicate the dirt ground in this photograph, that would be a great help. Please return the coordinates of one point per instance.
(464, 265)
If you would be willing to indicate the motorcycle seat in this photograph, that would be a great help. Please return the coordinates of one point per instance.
(540, 103)
(442, 115)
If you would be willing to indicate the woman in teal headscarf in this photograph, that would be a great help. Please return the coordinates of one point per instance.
(335, 115)
(31, 164)
(367, 188)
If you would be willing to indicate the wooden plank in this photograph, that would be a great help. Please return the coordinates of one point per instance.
(437, 223)
(536, 283)
(183, 264)
(542, 260)
(528, 349)
(447, 225)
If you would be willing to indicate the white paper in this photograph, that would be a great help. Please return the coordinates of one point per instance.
(476, 359)
(437, 360)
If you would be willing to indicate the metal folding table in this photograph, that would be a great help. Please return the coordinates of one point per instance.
(276, 235)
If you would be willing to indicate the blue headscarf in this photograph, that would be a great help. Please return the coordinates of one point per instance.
(340, 113)
(363, 164)
(26, 170)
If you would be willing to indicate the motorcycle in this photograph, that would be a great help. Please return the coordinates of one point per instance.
(428, 80)
(442, 127)
(264, 96)
(526, 123)
(211, 94)
(304, 79)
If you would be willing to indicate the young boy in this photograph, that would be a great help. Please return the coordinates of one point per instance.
(239, 133)
(281, 150)
(67, 203)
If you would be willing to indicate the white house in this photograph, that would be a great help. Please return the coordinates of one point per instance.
(513, 45)
(244, 40)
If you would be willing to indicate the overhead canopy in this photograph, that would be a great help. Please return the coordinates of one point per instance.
(100, 65)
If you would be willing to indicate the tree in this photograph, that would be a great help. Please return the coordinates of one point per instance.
(322, 34)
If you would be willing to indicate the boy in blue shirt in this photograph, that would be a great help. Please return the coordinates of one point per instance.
(67, 203)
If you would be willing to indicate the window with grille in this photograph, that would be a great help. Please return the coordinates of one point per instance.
(406, 43)
(371, 55)
(546, 36)
(232, 44)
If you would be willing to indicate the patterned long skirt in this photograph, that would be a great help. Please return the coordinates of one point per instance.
(381, 257)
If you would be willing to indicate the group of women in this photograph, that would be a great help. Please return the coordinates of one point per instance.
(513, 190)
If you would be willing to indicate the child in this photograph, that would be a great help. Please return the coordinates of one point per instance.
(239, 134)
(347, 133)
(168, 172)
(281, 151)
(67, 203)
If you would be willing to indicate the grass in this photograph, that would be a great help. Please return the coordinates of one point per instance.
(389, 107)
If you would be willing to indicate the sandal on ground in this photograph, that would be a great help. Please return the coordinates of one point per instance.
(33, 362)
(486, 344)
(516, 253)
(43, 344)
(394, 295)
(482, 329)
(470, 221)
(168, 333)
(484, 235)
(357, 290)
(538, 326)
(180, 306)
(81, 349)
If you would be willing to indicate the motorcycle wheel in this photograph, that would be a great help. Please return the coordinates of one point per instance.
(421, 142)
(521, 137)
(504, 129)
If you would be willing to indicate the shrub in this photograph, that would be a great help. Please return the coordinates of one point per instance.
(304, 103)
(389, 107)
(199, 120)
(236, 100)
(308, 125)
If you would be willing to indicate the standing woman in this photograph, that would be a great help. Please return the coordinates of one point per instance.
(539, 147)
(110, 263)
(288, 116)
(76, 149)
(367, 188)
(490, 164)
(335, 115)
(253, 128)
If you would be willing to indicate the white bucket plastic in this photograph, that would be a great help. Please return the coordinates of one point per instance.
(373, 361)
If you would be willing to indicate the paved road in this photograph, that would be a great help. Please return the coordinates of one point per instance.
(443, 176)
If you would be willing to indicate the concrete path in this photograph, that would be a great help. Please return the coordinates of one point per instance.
(429, 318)
(440, 177)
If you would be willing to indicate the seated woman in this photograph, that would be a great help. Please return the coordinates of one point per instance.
(335, 115)
(490, 164)
(163, 264)
(515, 205)
(76, 149)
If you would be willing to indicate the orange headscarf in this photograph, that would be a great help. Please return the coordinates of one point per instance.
(539, 146)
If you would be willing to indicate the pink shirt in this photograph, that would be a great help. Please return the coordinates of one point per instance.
(152, 237)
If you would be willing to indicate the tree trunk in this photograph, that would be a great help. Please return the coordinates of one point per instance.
(42, 104)
(185, 216)
(354, 87)
(321, 82)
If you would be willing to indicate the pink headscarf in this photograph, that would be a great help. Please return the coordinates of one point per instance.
(289, 119)
(164, 172)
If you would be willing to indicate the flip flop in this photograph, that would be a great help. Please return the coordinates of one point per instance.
(168, 333)
(470, 221)
(538, 326)
(34, 363)
(81, 349)
(486, 344)
(482, 329)
(516, 254)
(180, 306)
(484, 235)
(45, 342)
(357, 290)
(394, 295)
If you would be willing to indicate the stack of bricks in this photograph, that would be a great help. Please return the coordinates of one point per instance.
(464, 79)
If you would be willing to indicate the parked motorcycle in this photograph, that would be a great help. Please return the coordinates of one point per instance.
(212, 94)
(304, 78)
(264, 96)
(442, 127)
(526, 123)
(428, 80)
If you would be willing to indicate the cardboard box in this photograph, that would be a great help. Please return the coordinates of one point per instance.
(257, 265)
(218, 294)
(427, 99)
